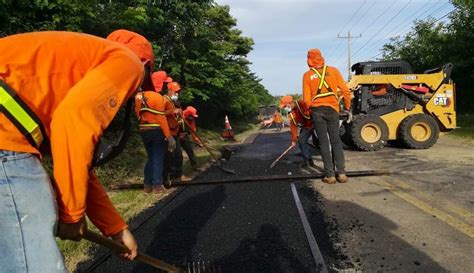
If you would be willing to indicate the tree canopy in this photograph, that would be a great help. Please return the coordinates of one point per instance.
(196, 42)
(431, 44)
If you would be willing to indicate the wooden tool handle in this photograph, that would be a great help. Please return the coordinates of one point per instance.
(281, 156)
(119, 248)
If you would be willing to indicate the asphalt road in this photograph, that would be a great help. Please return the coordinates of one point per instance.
(238, 228)
(419, 219)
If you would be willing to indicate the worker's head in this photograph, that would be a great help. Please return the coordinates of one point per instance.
(142, 49)
(190, 113)
(285, 101)
(173, 90)
(159, 78)
(315, 58)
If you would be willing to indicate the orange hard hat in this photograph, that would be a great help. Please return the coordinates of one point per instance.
(285, 100)
(158, 78)
(135, 42)
(174, 86)
(315, 58)
(190, 111)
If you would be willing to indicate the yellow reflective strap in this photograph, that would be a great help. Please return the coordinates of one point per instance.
(322, 78)
(144, 109)
(327, 94)
(149, 125)
(293, 119)
(301, 111)
(21, 116)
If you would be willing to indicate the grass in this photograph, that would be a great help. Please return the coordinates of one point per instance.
(128, 167)
(466, 124)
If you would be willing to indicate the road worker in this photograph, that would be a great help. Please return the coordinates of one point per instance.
(59, 91)
(174, 160)
(278, 120)
(155, 133)
(299, 117)
(320, 92)
(187, 134)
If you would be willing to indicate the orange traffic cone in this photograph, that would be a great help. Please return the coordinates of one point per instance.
(228, 133)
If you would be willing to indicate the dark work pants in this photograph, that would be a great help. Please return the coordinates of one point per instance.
(326, 123)
(188, 148)
(174, 162)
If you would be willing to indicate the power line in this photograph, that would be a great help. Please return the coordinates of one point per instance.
(384, 26)
(409, 26)
(403, 29)
(349, 37)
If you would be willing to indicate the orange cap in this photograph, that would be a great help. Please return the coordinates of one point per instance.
(190, 111)
(135, 42)
(159, 78)
(315, 58)
(174, 86)
(285, 100)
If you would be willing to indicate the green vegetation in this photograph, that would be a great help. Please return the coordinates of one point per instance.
(431, 44)
(466, 124)
(196, 42)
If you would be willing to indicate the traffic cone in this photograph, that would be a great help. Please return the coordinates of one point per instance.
(227, 123)
(228, 133)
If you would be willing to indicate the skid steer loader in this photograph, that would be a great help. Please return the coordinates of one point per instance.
(391, 103)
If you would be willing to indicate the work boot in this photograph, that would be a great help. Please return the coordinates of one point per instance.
(183, 178)
(329, 180)
(342, 178)
(159, 189)
(147, 189)
(311, 163)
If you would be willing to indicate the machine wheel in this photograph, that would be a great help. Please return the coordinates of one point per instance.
(418, 131)
(368, 132)
(344, 133)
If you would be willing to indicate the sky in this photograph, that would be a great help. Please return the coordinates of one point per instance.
(284, 30)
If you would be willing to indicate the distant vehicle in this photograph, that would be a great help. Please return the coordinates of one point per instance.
(265, 115)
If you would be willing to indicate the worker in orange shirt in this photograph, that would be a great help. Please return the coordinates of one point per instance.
(190, 115)
(320, 92)
(278, 120)
(173, 169)
(58, 92)
(299, 117)
(155, 133)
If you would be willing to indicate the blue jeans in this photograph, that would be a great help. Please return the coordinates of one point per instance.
(28, 216)
(305, 134)
(156, 146)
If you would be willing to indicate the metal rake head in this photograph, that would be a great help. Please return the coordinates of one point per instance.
(203, 267)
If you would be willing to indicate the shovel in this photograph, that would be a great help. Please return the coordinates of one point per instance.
(281, 156)
(208, 149)
(226, 153)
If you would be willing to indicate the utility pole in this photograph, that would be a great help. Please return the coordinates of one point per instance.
(349, 37)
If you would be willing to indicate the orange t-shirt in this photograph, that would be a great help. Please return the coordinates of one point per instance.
(334, 80)
(277, 118)
(75, 83)
(157, 102)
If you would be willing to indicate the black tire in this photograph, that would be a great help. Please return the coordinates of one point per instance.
(344, 133)
(419, 131)
(368, 132)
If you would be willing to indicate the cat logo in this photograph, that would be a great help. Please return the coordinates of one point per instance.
(442, 100)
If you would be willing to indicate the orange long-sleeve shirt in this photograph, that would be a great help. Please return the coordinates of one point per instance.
(157, 102)
(75, 83)
(334, 80)
(277, 118)
(299, 117)
(171, 116)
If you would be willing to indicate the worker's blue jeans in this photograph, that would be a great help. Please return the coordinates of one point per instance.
(156, 146)
(305, 134)
(28, 216)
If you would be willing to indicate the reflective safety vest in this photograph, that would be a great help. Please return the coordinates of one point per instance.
(21, 115)
(322, 81)
(301, 111)
(145, 108)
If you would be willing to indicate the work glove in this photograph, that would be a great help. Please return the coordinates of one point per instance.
(349, 116)
(171, 144)
(72, 231)
(293, 143)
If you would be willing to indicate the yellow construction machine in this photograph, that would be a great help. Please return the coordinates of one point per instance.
(391, 103)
